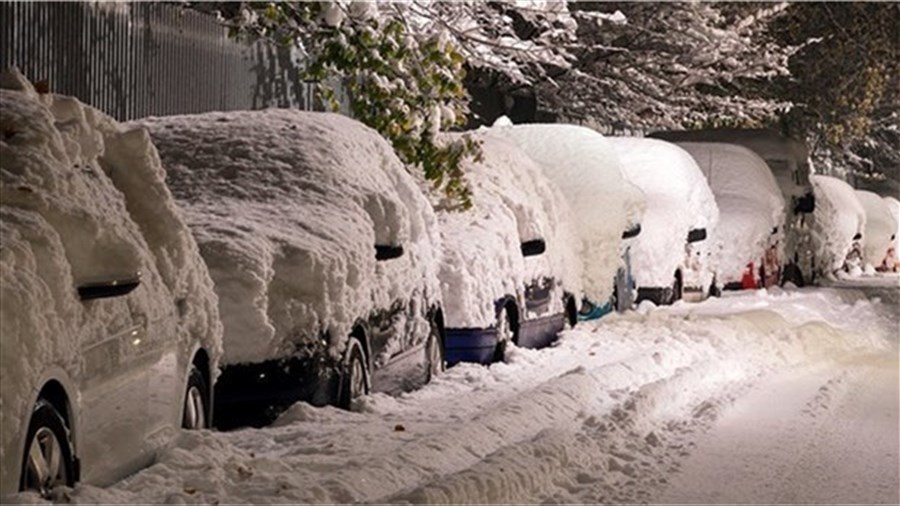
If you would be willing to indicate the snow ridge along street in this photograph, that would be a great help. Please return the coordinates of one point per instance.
(779, 396)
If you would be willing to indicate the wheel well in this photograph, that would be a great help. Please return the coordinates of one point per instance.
(571, 310)
(513, 311)
(439, 321)
(201, 361)
(359, 332)
(54, 393)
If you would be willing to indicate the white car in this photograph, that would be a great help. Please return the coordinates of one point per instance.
(881, 229)
(840, 222)
(510, 272)
(109, 332)
(324, 253)
(891, 261)
(748, 243)
(669, 257)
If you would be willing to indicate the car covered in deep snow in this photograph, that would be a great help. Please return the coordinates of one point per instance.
(323, 250)
(510, 273)
(670, 256)
(881, 229)
(607, 208)
(109, 329)
(788, 160)
(748, 243)
(840, 222)
(891, 261)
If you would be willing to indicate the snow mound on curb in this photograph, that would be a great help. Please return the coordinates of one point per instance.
(678, 200)
(83, 200)
(751, 205)
(839, 216)
(512, 202)
(881, 225)
(585, 167)
(287, 207)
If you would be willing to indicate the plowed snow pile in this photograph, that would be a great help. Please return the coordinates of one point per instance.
(605, 416)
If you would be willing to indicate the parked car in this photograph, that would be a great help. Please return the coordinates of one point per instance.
(788, 159)
(510, 273)
(109, 332)
(891, 261)
(881, 229)
(607, 208)
(748, 242)
(840, 222)
(669, 257)
(323, 250)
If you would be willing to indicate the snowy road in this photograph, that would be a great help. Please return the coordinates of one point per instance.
(785, 396)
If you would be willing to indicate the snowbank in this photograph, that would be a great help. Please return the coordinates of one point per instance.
(83, 200)
(881, 227)
(751, 205)
(513, 202)
(838, 218)
(585, 167)
(678, 200)
(287, 207)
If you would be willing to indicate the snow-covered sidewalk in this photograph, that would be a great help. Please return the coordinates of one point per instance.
(610, 414)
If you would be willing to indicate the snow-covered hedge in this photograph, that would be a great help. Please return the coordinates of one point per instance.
(84, 200)
(881, 225)
(287, 207)
(585, 167)
(751, 205)
(838, 217)
(512, 202)
(678, 200)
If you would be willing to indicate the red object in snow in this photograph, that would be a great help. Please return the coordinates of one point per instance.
(748, 280)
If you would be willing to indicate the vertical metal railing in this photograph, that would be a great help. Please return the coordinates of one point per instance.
(137, 59)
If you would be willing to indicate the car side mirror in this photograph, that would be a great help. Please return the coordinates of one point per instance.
(805, 204)
(534, 247)
(110, 288)
(385, 252)
(696, 235)
(632, 232)
(857, 237)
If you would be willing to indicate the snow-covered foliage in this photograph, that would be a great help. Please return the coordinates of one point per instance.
(513, 202)
(586, 169)
(678, 200)
(83, 200)
(287, 207)
(881, 226)
(751, 205)
(838, 218)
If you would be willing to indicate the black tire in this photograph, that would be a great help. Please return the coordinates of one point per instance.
(506, 333)
(434, 350)
(195, 410)
(355, 376)
(47, 445)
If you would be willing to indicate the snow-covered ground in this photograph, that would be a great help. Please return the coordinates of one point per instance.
(763, 396)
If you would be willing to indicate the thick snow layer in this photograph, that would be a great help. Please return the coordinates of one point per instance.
(881, 225)
(513, 202)
(678, 200)
(606, 416)
(586, 169)
(839, 216)
(894, 207)
(83, 200)
(287, 207)
(751, 205)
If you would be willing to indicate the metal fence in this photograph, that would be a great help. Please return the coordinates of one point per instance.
(136, 59)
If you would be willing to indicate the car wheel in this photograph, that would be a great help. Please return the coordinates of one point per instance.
(195, 412)
(435, 350)
(47, 462)
(505, 334)
(355, 379)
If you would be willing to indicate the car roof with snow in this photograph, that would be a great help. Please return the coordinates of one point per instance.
(512, 202)
(838, 218)
(288, 207)
(584, 166)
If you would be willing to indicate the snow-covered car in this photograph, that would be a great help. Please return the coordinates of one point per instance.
(840, 222)
(510, 272)
(323, 250)
(788, 160)
(747, 245)
(109, 329)
(891, 261)
(607, 208)
(881, 229)
(669, 257)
